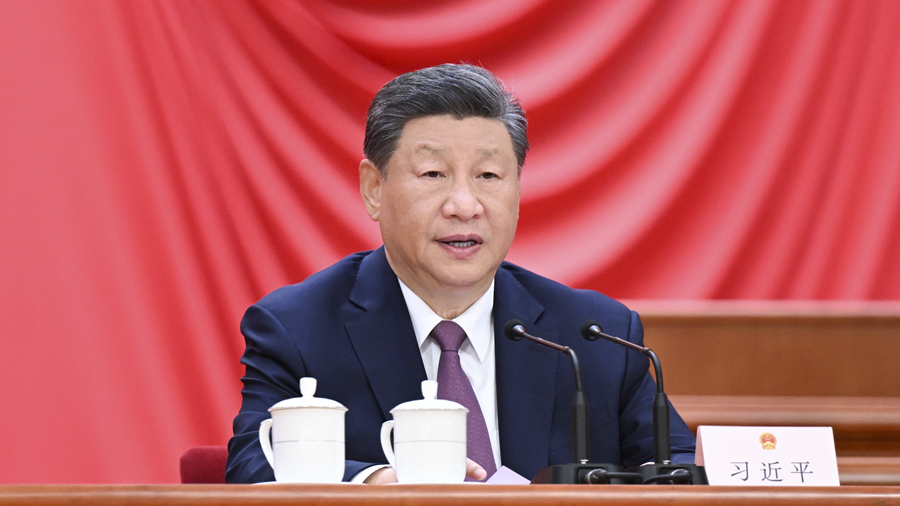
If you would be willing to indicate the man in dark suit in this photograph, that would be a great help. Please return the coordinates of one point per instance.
(444, 151)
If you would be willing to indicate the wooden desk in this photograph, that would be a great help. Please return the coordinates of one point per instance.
(863, 426)
(866, 429)
(433, 495)
(788, 363)
(775, 348)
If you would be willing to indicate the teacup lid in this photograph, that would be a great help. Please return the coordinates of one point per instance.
(308, 399)
(430, 401)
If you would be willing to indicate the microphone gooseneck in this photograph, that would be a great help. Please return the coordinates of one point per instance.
(592, 331)
(584, 472)
(515, 330)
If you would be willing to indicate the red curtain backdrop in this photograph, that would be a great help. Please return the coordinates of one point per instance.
(166, 163)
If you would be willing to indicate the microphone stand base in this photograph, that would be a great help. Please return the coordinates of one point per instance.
(673, 474)
(570, 474)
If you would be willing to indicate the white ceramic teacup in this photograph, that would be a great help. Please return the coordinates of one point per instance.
(429, 439)
(307, 444)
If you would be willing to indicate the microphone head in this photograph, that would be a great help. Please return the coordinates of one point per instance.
(591, 330)
(514, 330)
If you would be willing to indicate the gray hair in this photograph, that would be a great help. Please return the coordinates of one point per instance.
(459, 90)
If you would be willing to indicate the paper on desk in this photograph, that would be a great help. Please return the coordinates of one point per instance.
(506, 476)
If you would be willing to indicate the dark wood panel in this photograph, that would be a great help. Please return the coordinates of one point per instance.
(866, 429)
(869, 470)
(788, 364)
(775, 349)
(861, 425)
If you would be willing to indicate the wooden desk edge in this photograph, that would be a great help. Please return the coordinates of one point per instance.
(534, 495)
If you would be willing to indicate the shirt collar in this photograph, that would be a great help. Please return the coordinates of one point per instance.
(476, 320)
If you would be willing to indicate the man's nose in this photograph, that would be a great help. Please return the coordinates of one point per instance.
(463, 203)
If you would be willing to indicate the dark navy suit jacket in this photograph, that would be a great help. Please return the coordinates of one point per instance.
(348, 326)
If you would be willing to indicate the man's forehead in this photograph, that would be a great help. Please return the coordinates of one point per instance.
(430, 131)
(431, 148)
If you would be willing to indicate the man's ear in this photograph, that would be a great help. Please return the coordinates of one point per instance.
(370, 182)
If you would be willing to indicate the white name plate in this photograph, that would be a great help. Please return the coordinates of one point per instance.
(768, 456)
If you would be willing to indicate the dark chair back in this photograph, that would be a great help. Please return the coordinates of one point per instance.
(204, 464)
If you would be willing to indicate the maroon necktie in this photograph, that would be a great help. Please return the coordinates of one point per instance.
(453, 385)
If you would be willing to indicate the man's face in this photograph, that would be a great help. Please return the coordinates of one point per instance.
(448, 205)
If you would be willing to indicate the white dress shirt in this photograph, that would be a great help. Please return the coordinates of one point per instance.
(476, 356)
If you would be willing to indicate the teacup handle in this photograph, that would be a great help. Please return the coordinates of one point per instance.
(265, 442)
(386, 428)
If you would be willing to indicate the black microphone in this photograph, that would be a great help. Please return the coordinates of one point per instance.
(663, 471)
(580, 471)
(515, 330)
(591, 331)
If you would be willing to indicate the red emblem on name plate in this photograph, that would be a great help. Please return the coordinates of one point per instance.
(767, 440)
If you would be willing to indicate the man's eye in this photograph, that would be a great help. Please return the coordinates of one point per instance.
(432, 173)
(489, 175)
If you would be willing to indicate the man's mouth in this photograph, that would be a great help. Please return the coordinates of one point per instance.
(461, 244)
(461, 241)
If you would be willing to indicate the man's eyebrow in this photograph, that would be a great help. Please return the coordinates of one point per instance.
(488, 151)
(430, 148)
(426, 147)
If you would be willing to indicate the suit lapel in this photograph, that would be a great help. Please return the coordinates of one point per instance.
(383, 336)
(385, 344)
(526, 379)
